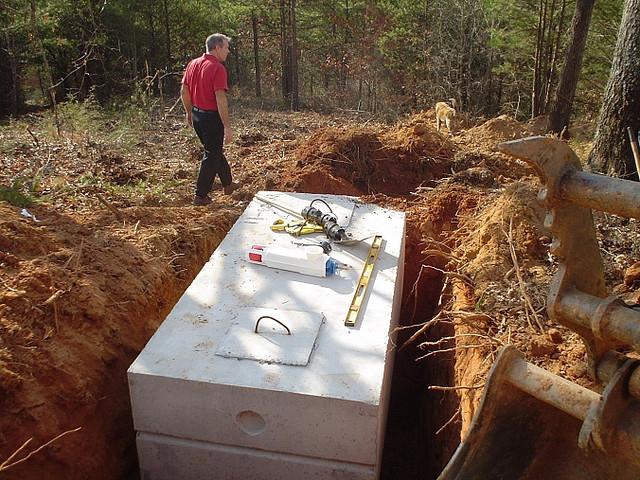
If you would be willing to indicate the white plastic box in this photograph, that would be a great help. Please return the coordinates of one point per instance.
(212, 399)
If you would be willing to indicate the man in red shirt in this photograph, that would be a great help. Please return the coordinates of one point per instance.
(204, 96)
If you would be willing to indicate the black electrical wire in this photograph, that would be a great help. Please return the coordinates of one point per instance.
(320, 200)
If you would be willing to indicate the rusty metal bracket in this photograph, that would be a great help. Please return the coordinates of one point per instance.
(528, 424)
(574, 238)
(530, 421)
(577, 296)
(604, 425)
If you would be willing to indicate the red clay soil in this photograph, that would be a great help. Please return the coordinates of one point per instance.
(82, 295)
(392, 162)
(82, 291)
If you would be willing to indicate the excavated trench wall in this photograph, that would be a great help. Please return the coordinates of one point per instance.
(414, 449)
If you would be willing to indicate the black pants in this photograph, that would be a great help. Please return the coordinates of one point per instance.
(210, 131)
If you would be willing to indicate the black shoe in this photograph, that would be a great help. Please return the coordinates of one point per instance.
(202, 201)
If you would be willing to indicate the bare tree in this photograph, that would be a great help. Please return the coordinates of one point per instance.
(549, 22)
(256, 56)
(565, 93)
(289, 52)
(295, 102)
(284, 51)
(13, 65)
(554, 48)
(167, 32)
(611, 152)
(45, 61)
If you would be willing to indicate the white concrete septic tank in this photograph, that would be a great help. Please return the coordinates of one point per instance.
(212, 399)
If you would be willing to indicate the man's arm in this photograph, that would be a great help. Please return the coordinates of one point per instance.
(223, 110)
(186, 101)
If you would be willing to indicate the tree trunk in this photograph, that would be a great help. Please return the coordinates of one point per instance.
(13, 65)
(554, 56)
(544, 94)
(134, 52)
(256, 56)
(167, 32)
(535, 92)
(611, 152)
(345, 47)
(295, 100)
(334, 33)
(565, 93)
(236, 62)
(284, 51)
(152, 30)
(47, 69)
(544, 60)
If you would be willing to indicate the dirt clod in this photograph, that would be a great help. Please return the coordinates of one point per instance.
(542, 347)
(555, 335)
(632, 274)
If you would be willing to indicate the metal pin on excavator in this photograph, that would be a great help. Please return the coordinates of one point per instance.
(532, 424)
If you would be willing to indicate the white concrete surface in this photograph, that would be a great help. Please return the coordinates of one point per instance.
(272, 343)
(332, 409)
(167, 458)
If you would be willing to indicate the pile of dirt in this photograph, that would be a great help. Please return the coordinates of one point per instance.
(503, 272)
(496, 130)
(537, 125)
(392, 161)
(477, 160)
(510, 219)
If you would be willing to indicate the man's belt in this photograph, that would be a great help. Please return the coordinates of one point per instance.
(201, 110)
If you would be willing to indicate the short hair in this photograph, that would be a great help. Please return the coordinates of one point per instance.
(215, 40)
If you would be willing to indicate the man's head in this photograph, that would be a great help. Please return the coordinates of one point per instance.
(218, 46)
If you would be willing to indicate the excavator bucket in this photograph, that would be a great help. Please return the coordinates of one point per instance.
(517, 436)
(532, 424)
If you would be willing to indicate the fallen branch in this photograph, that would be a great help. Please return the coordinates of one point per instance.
(419, 332)
(444, 350)
(35, 139)
(111, 208)
(448, 422)
(7, 465)
(459, 335)
(178, 101)
(443, 388)
(526, 300)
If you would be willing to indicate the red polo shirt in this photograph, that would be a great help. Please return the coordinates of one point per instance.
(203, 76)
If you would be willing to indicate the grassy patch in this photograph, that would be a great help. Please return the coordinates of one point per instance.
(159, 191)
(75, 119)
(17, 195)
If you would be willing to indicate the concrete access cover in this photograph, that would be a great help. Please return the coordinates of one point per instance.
(272, 343)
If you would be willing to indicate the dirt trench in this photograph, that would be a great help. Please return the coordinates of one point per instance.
(413, 449)
(83, 363)
(93, 290)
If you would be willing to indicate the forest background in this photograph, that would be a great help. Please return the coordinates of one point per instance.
(492, 56)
